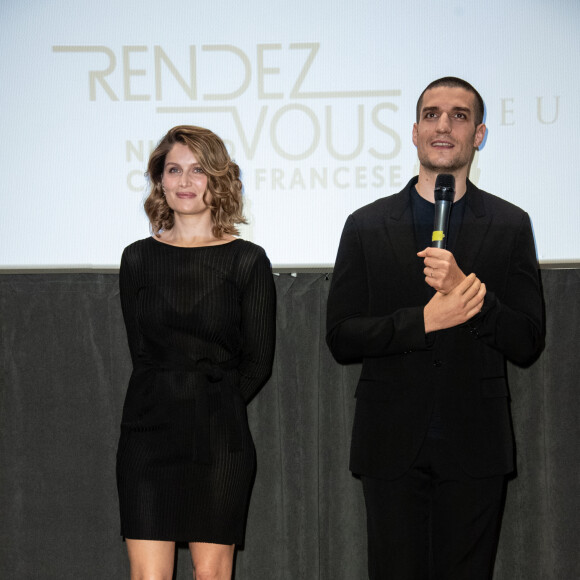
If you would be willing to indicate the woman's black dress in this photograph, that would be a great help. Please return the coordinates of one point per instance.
(201, 329)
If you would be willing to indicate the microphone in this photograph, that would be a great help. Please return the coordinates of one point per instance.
(444, 196)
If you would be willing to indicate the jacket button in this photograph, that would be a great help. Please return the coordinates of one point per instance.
(437, 363)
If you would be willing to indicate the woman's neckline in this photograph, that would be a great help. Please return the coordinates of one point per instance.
(156, 241)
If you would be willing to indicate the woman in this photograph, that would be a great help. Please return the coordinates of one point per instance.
(199, 309)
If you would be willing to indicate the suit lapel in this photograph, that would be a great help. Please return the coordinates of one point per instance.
(400, 232)
(473, 231)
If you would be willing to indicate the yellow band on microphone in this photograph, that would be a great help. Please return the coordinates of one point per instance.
(437, 236)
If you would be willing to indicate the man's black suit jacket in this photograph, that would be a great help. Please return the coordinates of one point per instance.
(375, 314)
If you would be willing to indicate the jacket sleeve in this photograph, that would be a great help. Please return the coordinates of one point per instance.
(258, 321)
(513, 324)
(353, 334)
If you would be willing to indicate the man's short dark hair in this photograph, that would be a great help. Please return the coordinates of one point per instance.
(455, 82)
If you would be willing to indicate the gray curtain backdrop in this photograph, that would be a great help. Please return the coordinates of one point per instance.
(64, 371)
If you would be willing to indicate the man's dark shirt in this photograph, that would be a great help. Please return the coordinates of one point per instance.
(423, 218)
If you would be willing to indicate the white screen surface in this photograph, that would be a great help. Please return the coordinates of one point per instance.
(315, 102)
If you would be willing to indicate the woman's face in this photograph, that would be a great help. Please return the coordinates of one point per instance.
(184, 182)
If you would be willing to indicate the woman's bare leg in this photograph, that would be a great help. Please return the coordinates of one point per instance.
(212, 561)
(150, 559)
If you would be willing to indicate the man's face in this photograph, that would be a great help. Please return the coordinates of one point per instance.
(446, 134)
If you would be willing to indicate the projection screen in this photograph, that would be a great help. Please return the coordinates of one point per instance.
(315, 101)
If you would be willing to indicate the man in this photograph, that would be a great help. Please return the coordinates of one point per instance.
(432, 437)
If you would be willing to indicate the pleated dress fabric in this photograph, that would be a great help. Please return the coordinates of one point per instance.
(201, 329)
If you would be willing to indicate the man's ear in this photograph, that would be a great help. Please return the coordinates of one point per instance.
(479, 135)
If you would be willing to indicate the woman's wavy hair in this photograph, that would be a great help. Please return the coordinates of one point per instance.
(223, 180)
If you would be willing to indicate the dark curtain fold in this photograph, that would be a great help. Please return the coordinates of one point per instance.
(64, 371)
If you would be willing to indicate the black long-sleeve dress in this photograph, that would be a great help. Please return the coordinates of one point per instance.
(201, 329)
